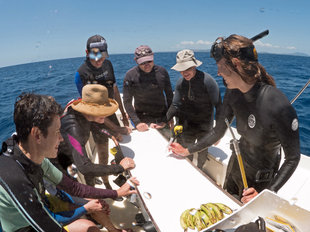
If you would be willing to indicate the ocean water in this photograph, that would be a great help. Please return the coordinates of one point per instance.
(56, 78)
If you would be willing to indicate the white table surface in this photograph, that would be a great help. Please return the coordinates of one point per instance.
(174, 184)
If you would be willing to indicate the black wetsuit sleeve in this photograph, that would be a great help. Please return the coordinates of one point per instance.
(168, 89)
(127, 99)
(286, 128)
(214, 93)
(112, 72)
(176, 102)
(219, 108)
(22, 193)
(172, 111)
(222, 112)
(80, 159)
(85, 191)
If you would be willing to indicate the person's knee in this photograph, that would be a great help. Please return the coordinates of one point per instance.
(102, 145)
(103, 152)
(90, 180)
(83, 225)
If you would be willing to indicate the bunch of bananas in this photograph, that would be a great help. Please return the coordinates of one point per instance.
(203, 217)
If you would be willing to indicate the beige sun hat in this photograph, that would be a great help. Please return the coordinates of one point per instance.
(185, 60)
(95, 101)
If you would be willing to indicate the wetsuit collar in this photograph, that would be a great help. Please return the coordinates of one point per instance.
(198, 73)
(33, 171)
(251, 95)
(144, 73)
(24, 161)
(11, 149)
(91, 66)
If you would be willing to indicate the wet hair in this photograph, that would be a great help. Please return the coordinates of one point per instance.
(252, 70)
(33, 110)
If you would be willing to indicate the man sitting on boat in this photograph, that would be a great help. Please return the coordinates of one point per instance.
(265, 119)
(195, 98)
(24, 164)
(76, 125)
(150, 87)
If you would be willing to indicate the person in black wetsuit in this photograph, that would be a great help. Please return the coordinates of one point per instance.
(265, 119)
(23, 165)
(196, 95)
(149, 85)
(97, 69)
(76, 125)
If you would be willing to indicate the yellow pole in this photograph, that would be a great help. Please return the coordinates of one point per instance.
(239, 157)
(245, 183)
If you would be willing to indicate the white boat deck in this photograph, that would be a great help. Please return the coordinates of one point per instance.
(297, 188)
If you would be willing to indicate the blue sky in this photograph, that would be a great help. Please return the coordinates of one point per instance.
(43, 30)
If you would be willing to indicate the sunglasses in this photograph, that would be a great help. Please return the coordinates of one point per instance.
(146, 62)
(144, 52)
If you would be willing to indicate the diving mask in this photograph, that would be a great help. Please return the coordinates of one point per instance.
(97, 50)
(218, 51)
(95, 55)
(247, 53)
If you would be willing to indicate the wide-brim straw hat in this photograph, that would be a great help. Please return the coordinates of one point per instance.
(95, 101)
(185, 60)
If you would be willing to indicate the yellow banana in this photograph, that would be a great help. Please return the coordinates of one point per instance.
(190, 219)
(205, 218)
(209, 212)
(202, 218)
(224, 208)
(198, 221)
(218, 212)
(183, 219)
(281, 219)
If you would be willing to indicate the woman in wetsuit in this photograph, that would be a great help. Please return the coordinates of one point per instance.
(265, 120)
(76, 125)
(97, 69)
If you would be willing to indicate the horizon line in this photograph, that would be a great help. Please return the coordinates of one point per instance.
(195, 50)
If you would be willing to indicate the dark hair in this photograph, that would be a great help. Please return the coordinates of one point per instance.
(252, 70)
(32, 110)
